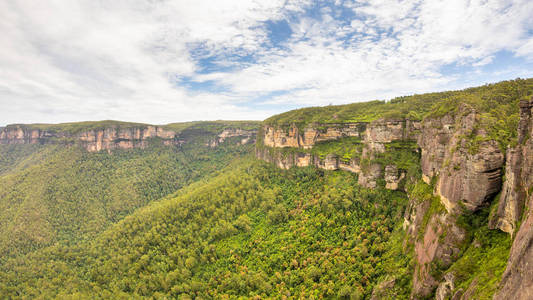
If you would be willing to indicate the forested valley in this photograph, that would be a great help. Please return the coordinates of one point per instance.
(399, 199)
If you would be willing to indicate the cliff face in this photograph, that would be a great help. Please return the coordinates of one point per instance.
(112, 137)
(244, 136)
(466, 177)
(462, 164)
(374, 136)
(92, 140)
(309, 136)
(517, 280)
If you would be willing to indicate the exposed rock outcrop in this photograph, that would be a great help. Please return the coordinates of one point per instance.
(393, 177)
(438, 249)
(518, 175)
(245, 136)
(469, 174)
(292, 136)
(413, 216)
(512, 198)
(517, 279)
(464, 166)
(445, 288)
(369, 177)
(375, 135)
(471, 180)
(111, 137)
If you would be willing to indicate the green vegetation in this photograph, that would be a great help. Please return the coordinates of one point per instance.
(483, 262)
(63, 193)
(212, 126)
(205, 126)
(194, 222)
(12, 156)
(485, 257)
(251, 231)
(497, 103)
(345, 148)
(81, 126)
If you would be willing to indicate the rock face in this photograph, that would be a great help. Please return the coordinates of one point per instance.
(368, 178)
(466, 177)
(464, 168)
(389, 130)
(468, 173)
(512, 198)
(116, 138)
(413, 216)
(374, 136)
(245, 136)
(439, 248)
(309, 136)
(109, 138)
(518, 174)
(517, 280)
(299, 159)
(445, 288)
(471, 179)
(393, 177)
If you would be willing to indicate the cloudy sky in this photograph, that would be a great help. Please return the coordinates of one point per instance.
(160, 61)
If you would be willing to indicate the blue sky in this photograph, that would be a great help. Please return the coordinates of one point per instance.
(171, 61)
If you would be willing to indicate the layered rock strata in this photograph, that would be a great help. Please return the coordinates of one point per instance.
(374, 135)
(515, 206)
(306, 138)
(110, 138)
(468, 174)
(245, 136)
(464, 167)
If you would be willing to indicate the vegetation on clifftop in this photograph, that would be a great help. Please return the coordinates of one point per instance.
(497, 103)
(205, 126)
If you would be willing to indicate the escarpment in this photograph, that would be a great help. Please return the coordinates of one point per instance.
(371, 139)
(243, 136)
(516, 203)
(306, 138)
(110, 137)
(113, 137)
(469, 172)
(462, 168)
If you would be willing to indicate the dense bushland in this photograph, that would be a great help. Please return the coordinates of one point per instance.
(253, 230)
(53, 193)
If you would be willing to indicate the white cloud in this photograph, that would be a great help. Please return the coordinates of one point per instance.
(88, 60)
(526, 49)
(398, 48)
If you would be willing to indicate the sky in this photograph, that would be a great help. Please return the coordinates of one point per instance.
(157, 61)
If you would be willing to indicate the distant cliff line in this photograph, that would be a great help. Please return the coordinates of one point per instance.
(118, 135)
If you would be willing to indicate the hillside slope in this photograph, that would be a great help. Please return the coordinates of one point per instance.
(57, 191)
(251, 231)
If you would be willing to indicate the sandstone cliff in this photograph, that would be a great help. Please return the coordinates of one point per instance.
(466, 177)
(243, 136)
(374, 137)
(517, 281)
(92, 140)
(463, 168)
(110, 137)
